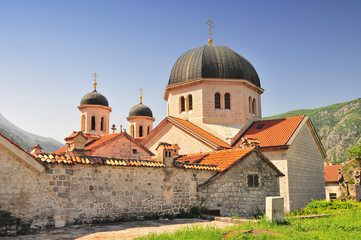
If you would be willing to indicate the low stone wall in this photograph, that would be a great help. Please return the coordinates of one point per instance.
(75, 194)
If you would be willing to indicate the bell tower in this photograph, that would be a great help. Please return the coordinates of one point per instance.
(140, 119)
(94, 112)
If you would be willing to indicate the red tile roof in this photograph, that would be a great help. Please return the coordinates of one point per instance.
(95, 141)
(226, 158)
(102, 140)
(48, 158)
(196, 166)
(223, 159)
(61, 150)
(201, 132)
(192, 158)
(331, 173)
(271, 133)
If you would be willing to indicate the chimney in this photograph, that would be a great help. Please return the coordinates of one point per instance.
(165, 154)
(176, 149)
(76, 143)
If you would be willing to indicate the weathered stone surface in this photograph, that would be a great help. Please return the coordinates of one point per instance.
(230, 194)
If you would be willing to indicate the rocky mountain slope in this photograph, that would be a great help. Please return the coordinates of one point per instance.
(25, 139)
(338, 125)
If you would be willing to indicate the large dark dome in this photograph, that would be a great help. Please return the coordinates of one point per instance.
(94, 98)
(212, 62)
(140, 110)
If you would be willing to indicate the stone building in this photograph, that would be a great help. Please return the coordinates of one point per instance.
(214, 102)
(48, 189)
(212, 150)
(333, 190)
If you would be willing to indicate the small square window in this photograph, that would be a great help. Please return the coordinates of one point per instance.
(253, 180)
(135, 151)
(260, 126)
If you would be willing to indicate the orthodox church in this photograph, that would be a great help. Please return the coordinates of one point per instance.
(213, 103)
(213, 150)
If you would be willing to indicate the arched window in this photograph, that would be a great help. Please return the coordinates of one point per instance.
(182, 104)
(102, 124)
(83, 123)
(93, 123)
(227, 101)
(148, 130)
(190, 102)
(254, 106)
(132, 130)
(250, 104)
(217, 101)
(140, 131)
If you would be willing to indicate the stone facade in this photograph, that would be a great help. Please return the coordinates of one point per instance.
(37, 194)
(230, 193)
(101, 115)
(223, 123)
(135, 122)
(172, 134)
(302, 164)
(121, 147)
(74, 194)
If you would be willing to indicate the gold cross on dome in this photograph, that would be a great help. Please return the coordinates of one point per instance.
(210, 24)
(95, 75)
(141, 96)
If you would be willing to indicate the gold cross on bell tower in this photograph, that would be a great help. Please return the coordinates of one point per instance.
(141, 96)
(95, 75)
(210, 24)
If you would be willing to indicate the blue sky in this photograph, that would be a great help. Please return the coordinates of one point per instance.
(307, 53)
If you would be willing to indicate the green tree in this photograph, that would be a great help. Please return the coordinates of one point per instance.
(354, 152)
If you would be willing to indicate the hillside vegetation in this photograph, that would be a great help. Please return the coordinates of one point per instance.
(25, 139)
(338, 125)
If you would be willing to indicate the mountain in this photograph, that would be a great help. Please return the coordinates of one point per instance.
(338, 125)
(25, 139)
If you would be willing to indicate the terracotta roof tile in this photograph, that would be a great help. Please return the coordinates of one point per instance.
(226, 158)
(200, 132)
(102, 140)
(192, 158)
(218, 160)
(90, 160)
(272, 133)
(61, 150)
(331, 173)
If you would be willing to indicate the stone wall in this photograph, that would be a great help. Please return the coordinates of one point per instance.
(306, 179)
(74, 194)
(229, 192)
(122, 147)
(279, 159)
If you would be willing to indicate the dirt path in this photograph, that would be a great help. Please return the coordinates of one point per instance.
(125, 230)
